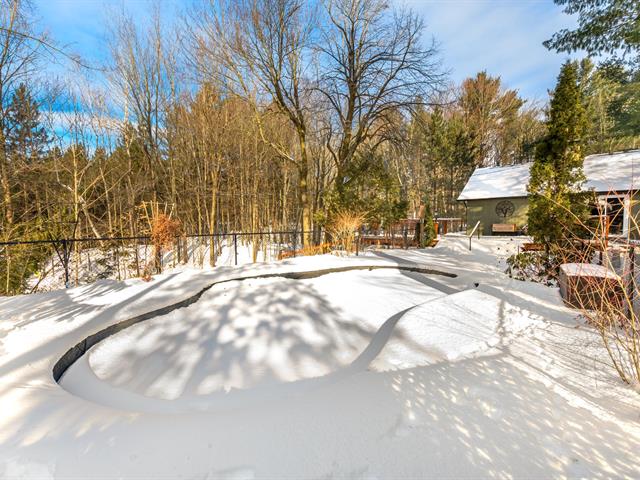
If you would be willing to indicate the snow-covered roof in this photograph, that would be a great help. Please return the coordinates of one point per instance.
(617, 172)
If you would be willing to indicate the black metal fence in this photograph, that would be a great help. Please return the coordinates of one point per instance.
(36, 265)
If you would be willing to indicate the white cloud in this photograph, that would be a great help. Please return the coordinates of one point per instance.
(501, 36)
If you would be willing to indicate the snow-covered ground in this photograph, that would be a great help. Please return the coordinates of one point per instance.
(359, 374)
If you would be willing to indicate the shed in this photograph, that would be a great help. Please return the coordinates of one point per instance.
(498, 195)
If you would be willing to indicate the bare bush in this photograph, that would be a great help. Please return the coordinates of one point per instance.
(608, 296)
(164, 231)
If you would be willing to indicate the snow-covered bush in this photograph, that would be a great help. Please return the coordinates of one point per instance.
(533, 267)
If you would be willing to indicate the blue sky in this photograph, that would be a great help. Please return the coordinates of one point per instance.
(503, 37)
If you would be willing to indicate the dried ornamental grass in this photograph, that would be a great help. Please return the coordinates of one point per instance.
(343, 227)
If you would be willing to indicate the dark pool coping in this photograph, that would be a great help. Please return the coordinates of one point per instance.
(78, 350)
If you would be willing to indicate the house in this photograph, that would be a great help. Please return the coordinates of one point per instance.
(497, 196)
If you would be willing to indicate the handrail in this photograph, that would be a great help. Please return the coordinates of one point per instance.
(474, 231)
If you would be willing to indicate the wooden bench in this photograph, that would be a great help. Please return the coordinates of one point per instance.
(503, 228)
(532, 247)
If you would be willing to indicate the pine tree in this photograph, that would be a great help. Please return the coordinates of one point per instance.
(490, 112)
(556, 202)
(604, 27)
(428, 228)
(26, 137)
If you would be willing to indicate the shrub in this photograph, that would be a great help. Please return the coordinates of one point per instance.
(611, 306)
(533, 267)
(428, 227)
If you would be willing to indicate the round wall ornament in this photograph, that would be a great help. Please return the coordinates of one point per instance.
(505, 208)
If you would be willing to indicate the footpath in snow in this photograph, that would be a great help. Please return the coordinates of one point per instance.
(358, 374)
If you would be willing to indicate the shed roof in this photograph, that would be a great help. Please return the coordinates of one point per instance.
(616, 172)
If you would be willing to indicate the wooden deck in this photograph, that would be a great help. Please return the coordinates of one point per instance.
(387, 241)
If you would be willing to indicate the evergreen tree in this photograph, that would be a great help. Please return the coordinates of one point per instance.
(604, 26)
(611, 97)
(597, 95)
(555, 200)
(374, 189)
(26, 137)
(625, 107)
(491, 113)
(428, 233)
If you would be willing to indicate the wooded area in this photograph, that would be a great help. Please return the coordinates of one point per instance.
(254, 115)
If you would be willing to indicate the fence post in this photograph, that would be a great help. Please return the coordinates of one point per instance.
(235, 248)
(159, 258)
(137, 256)
(295, 242)
(357, 243)
(631, 258)
(65, 262)
(146, 254)
(185, 252)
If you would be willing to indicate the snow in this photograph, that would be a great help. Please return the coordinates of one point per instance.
(360, 374)
(589, 270)
(497, 182)
(618, 172)
(277, 330)
(422, 337)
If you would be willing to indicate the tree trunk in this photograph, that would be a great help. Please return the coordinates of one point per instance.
(212, 220)
(303, 187)
(6, 185)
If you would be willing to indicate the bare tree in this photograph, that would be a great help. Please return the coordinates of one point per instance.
(258, 50)
(18, 60)
(365, 64)
(374, 65)
(142, 71)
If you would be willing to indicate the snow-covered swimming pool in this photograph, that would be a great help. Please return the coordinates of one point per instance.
(247, 334)
(264, 337)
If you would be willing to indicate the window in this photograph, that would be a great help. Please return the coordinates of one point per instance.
(612, 211)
